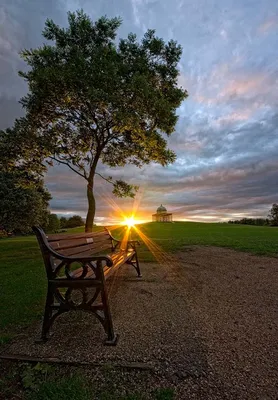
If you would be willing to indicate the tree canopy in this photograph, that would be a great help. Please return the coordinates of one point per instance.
(93, 100)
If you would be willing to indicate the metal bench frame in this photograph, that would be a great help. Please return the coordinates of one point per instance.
(93, 271)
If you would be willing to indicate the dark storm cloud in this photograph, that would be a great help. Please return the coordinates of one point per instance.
(226, 139)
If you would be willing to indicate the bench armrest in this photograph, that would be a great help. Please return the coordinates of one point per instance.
(134, 242)
(82, 259)
(112, 237)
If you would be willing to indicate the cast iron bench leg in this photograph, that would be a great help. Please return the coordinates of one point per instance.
(112, 338)
(137, 266)
(47, 319)
(135, 263)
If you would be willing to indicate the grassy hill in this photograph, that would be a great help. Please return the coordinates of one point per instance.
(261, 240)
(22, 276)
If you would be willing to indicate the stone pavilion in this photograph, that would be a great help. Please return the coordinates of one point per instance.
(162, 215)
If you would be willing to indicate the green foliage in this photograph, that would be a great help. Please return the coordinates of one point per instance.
(273, 215)
(74, 222)
(5, 339)
(164, 394)
(20, 206)
(53, 223)
(33, 376)
(19, 153)
(40, 388)
(63, 222)
(250, 221)
(94, 99)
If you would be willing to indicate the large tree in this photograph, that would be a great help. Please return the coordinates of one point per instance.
(94, 100)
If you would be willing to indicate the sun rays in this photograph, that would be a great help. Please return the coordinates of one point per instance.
(130, 224)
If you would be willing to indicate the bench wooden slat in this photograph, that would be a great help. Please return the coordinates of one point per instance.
(68, 244)
(85, 249)
(91, 251)
(61, 236)
(97, 239)
(65, 236)
(76, 250)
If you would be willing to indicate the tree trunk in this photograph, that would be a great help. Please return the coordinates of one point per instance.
(91, 208)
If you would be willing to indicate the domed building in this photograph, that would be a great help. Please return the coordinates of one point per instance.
(162, 215)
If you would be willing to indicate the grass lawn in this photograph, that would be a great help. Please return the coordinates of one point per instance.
(22, 276)
(171, 237)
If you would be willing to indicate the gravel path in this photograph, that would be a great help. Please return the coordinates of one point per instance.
(205, 321)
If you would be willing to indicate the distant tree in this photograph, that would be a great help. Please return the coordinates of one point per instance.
(273, 215)
(63, 222)
(250, 221)
(20, 206)
(94, 99)
(53, 223)
(74, 221)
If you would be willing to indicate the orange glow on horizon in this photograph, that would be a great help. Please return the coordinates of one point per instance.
(129, 221)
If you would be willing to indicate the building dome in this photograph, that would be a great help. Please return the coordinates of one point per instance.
(161, 209)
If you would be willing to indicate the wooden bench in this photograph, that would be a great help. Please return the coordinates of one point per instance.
(77, 269)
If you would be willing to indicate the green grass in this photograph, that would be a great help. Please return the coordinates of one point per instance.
(22, 275)
(171, 237)
(73, 388)
(23, 284)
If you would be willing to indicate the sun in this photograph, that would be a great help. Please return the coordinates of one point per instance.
(129, 222)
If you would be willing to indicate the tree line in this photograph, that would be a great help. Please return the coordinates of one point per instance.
(55, 223)
(272, 219)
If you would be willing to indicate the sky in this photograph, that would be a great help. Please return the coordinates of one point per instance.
(226, 139)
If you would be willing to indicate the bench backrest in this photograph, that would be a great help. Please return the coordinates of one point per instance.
(79, 244)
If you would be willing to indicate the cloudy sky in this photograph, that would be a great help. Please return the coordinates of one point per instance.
(226, 139)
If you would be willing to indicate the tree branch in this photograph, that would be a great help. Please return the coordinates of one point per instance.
(66, 163)
(106, 179)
